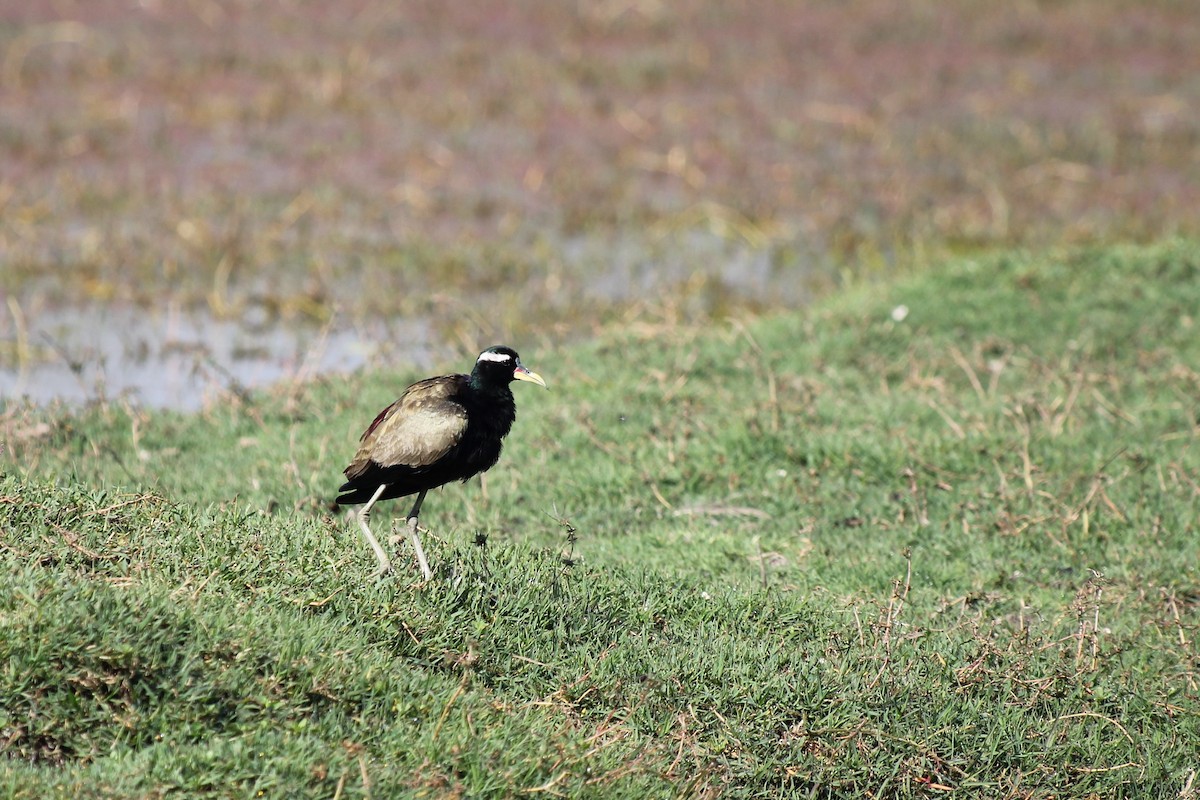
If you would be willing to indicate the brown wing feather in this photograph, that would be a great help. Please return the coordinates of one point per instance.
(378, 419)
(416, 430)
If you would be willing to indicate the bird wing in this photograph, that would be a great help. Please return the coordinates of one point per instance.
(416, 430)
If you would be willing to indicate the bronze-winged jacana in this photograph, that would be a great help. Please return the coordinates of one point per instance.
(440, 430)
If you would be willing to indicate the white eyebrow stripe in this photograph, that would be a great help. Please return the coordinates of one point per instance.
(494, 357)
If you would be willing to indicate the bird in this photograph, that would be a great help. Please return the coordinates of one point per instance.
(443, 429)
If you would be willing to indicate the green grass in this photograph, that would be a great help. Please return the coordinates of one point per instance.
(830, 553)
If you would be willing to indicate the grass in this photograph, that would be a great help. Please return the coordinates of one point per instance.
(934, 537)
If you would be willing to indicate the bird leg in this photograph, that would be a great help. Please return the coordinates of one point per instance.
(416, 540)
(385, 566)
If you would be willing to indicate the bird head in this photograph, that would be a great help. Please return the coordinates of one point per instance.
(501, 365)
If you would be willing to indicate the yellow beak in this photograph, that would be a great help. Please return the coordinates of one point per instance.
(522, 374)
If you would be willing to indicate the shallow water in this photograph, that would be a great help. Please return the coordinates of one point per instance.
(177, 359)
(183, 358)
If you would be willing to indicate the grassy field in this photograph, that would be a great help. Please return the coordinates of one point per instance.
(934, 537)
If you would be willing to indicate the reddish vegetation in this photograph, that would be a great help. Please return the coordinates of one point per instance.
(159, 135)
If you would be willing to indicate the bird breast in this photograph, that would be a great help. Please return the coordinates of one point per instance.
(487, 425)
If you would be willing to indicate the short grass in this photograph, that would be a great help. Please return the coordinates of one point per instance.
(932, 538)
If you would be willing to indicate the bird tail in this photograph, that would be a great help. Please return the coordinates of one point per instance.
(351, 494)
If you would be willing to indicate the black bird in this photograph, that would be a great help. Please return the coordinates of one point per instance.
(440, 430)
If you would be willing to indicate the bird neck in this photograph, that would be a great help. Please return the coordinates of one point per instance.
(482, 386)
(490, 407)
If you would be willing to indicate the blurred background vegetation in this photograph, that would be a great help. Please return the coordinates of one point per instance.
(433, 177)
